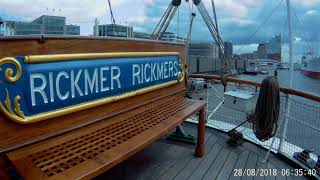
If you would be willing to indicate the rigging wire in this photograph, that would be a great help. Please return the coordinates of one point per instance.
(229, 67)
(303, 33)
(215, 16)
(178, 21)
(284, 30)
(260, 26)
(113, 21)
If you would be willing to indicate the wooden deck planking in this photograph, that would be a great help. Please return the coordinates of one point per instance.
(270, 166)
(227, 168)
(164, 164)
(166, 167)
(194, 163)
(169, 160)
(260, 165)
(240, 164)
(201, 170)
(250, 165)
(151, 163)
(217, 164)
(177, 166)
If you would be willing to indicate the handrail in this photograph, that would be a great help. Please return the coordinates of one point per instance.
(79, 37)
(251, 83)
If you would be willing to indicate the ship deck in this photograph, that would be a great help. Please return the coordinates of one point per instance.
(172, 160)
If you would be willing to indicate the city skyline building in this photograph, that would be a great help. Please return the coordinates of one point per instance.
(172, 37)
(274, 48)
(203, 57)
(229, 47)
(52, 25)
(141, 35)
(5, 28)
(262, 51)
(113, 30)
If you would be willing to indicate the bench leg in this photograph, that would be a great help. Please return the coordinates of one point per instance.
(3, 168)
(201, 132)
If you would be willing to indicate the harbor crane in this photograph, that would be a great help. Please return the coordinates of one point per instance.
(228, 66)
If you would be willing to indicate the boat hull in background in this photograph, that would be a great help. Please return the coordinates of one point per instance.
(310, 73)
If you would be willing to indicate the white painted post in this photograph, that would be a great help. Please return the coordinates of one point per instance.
(287, 114)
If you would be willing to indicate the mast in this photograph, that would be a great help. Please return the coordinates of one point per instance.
(288, 104)
(290, 42)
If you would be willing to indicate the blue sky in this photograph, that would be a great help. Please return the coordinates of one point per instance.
(238, 19)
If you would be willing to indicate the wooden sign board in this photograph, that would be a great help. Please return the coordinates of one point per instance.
(36, 88)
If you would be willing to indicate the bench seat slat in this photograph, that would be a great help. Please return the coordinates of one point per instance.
(90, 151)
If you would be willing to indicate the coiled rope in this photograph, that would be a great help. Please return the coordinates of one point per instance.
(265, 122)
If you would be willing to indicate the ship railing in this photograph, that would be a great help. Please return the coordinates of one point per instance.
(298, 124)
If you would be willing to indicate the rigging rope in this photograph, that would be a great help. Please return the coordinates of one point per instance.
(266, 117)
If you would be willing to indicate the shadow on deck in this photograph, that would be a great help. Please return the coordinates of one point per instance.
(170, 160)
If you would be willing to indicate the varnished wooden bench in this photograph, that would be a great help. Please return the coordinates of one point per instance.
(90, 151)
(85, 143)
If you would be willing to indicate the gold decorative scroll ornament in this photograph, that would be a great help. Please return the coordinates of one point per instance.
(12, 77)
(9, 77)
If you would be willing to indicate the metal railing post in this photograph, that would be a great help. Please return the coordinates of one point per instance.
(272, 143)
(285, 125)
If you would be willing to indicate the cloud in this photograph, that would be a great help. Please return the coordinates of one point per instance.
(141, 20)
(77, 12)
(307, 2)
(139, 29)
(239, 49)
(239, 21)
(311, 12)
(238, 8)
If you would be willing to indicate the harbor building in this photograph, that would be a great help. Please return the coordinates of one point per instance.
(115, 30)
(5, 28)
(229, 47)
(274, 48)
(270, 49)
(169, 36)
(141, 35)
(204, 58)
(262, 51)
(251, 56)
(53, 25)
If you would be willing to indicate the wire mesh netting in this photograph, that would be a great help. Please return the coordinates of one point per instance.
(298, 124)
(302, 132)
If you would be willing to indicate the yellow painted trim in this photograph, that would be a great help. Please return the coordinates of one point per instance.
(82, 106)
(68, 57)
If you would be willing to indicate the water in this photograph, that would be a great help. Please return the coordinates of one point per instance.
(301, 82)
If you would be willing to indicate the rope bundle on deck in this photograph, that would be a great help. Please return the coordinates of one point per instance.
(267, 109)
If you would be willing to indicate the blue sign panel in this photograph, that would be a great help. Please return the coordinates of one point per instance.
(35, 88)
